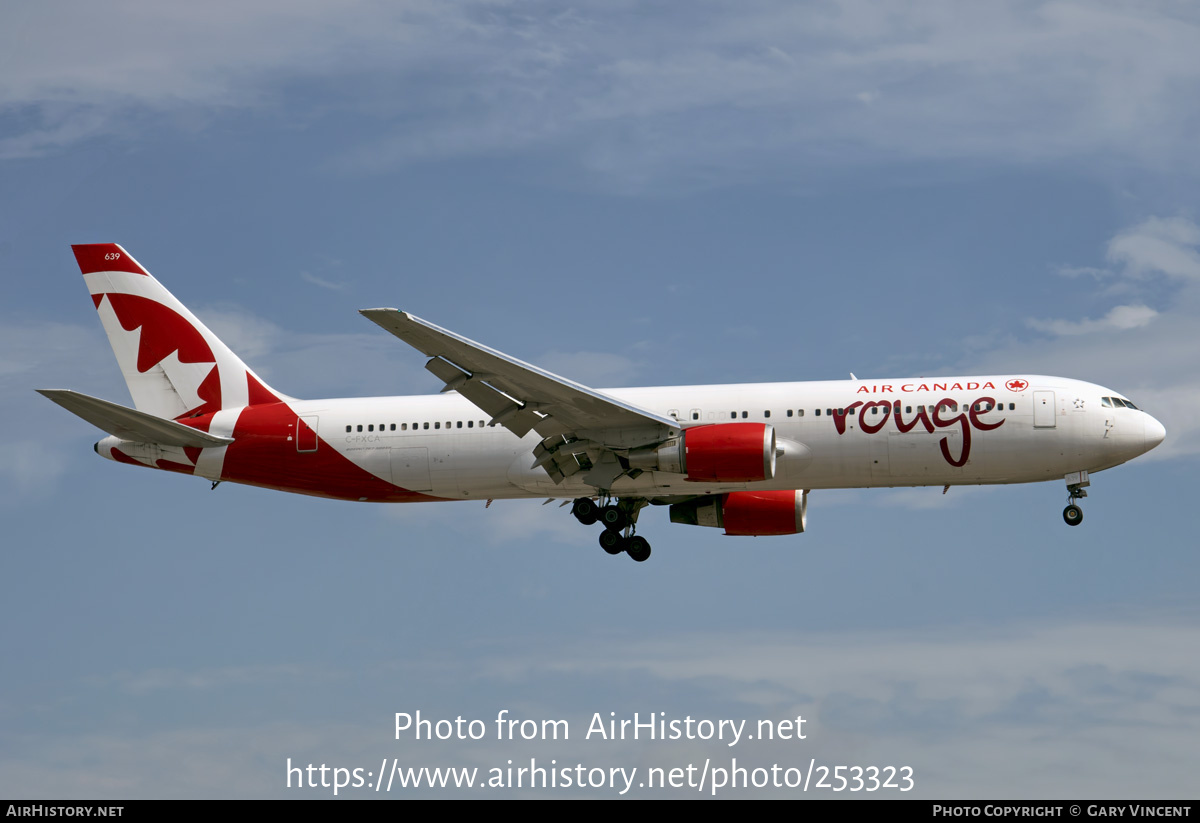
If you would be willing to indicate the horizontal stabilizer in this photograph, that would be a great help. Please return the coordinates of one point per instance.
(131, 424)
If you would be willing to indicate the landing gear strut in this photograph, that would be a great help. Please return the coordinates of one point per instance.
(619, 519)
(1072, 514)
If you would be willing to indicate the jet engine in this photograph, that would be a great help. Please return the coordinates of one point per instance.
(718, 453)
(747, 514)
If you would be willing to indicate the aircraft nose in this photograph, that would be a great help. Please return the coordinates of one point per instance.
(1153, 432)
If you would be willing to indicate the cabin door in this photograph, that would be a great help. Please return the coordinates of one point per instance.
(1043, 410)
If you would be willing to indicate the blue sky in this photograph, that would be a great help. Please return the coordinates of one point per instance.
(695, 193)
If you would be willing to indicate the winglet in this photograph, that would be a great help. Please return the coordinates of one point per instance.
(96, 257)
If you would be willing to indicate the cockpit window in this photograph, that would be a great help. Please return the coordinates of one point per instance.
(1127, 403)
(1106, 402)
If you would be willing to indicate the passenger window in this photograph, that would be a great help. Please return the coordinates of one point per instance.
(425, 425)
(347, 430)
(695, 415)
(767, 413)
(733, 415)
(458, 425)
(360, 426)
(789, 412)
(745, 414)
(801, 412)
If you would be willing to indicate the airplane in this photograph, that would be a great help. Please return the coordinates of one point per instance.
(739, 457)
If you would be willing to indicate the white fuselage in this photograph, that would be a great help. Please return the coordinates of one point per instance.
(441, 445)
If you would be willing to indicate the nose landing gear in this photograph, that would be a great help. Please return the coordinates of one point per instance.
(619, 519)
(1072, 514)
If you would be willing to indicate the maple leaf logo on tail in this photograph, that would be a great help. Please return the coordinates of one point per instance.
(173, 364)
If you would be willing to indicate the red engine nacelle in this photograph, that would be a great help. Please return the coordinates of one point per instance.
(748, 514)
(717, 453)
(730, 452)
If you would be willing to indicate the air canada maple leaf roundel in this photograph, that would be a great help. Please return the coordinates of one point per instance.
(1017, 384)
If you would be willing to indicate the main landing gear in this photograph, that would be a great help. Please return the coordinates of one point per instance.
(1072, 514)
(619, 519)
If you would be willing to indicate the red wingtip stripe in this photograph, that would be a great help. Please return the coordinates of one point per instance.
(96, 257)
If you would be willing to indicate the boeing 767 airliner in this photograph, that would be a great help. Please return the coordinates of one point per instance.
(738, 457)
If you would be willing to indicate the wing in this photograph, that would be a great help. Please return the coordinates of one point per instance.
(581, 427)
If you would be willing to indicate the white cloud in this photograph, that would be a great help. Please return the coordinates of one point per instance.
(309, 277)
(1159, 245)
(1090, 271)
(1037, 695)
(638, 93)
(1118, 319)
